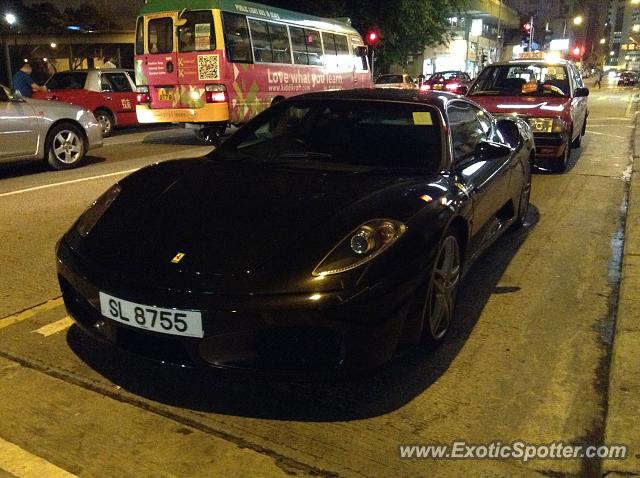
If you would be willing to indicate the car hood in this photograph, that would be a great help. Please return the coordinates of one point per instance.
(55, 106)
(525, 105)
(239, 220)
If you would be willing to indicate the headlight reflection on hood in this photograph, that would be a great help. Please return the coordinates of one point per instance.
(362, 245)
(92, 215)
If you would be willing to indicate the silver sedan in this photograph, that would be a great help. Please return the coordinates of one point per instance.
(59, 133)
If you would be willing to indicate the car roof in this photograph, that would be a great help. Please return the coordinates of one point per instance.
(524, 61)
(438, 100)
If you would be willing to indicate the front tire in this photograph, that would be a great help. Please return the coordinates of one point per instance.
(563, 164)
(65, 147)
(439, 306)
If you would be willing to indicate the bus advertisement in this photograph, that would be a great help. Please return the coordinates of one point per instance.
(211, 63)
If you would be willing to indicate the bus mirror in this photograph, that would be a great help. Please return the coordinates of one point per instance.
(361, 51)
(180, 22)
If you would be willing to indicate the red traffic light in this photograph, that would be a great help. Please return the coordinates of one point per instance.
(372, 37)
(526, 27)
(576, 51)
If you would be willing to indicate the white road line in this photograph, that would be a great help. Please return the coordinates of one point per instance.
(605, 134)
(27, 314)
(52, 185)
(54, 327)
(23, 464)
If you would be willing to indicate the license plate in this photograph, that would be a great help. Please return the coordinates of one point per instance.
(165, 321)
(437, 87)
(165, 94)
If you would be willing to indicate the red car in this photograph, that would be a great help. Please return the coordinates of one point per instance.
(549, 95)
(451, 81)
(109, 93)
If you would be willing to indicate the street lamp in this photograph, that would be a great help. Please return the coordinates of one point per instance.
(603, 41)
(578, 20)
(10, 18)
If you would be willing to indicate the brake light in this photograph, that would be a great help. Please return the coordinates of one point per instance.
(425, 87)
(143, 95)
(452, 86)
(215, 93)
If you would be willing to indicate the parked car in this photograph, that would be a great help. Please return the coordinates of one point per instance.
(451, 81)
(58, 133)
(109, 93)
(550, 95)
(628, 78)
(403, 81)
(365, 209)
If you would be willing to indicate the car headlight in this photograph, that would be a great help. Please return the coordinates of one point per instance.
(362, 245)
(92, 215)
(546, 125)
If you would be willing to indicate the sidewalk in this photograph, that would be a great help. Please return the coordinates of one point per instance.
(623, 416)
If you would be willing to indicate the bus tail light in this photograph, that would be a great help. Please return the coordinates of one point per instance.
(452, 86)
(215, 93)
(143, 94)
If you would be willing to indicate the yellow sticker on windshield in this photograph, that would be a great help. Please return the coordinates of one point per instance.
(422, 118)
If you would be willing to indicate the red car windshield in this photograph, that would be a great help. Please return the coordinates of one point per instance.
(522, 79)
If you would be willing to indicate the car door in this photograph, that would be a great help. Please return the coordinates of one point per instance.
(578, 104)
(118, 93)
(485, 182)
(18, 128)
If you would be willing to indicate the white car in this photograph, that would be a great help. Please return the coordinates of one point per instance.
(59, 133)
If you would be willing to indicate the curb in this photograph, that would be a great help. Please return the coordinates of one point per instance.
(623, 415)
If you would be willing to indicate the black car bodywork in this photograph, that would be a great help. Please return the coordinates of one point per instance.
(254, 231)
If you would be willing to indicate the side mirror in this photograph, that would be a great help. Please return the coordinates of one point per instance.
(581, 92)
(488, 150)
(510, 132)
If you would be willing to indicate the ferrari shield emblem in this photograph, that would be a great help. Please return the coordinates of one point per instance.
(179, 256)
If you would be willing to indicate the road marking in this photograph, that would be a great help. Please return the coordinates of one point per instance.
(23, 464)
(54, 327)
(27, 314)
(605, 134)
(62, 183)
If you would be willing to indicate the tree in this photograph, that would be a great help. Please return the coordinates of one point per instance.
(405, 26)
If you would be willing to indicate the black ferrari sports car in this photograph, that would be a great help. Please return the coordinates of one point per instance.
(324, 235)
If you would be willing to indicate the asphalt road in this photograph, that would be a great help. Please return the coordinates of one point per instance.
(528, 358)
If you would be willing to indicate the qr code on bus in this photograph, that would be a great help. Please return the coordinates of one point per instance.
(208, 67)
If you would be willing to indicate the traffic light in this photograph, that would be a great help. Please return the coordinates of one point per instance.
(577, 51)
(372, 38)
(526, 27)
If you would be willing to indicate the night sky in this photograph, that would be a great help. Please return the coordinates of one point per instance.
(123, 11)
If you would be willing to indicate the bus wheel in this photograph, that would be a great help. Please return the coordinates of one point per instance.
(211, 134)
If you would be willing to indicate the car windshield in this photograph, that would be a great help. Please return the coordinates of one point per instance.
(445, 75)
(387, 79)
(522, 79)
(345, 135)
(67, 81)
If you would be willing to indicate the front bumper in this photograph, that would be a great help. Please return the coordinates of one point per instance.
(286, 334)
(551, 145)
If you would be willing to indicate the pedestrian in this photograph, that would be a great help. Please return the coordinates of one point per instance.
(24, 84)
(599, 79)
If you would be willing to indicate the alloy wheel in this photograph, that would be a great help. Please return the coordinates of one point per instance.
(67, 146)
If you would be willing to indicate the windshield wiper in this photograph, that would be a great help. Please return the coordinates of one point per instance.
(301, 155)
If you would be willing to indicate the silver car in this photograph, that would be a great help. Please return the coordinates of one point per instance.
(57, 132)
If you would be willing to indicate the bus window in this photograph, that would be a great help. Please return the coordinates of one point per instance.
(314, 47)
(197, 33)
(360, 61)
(140, 36)
(280, 43)
(299, 46)
(236, 38)
(342, 49)
(160, 35)
(330, 55)
(262, 51)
